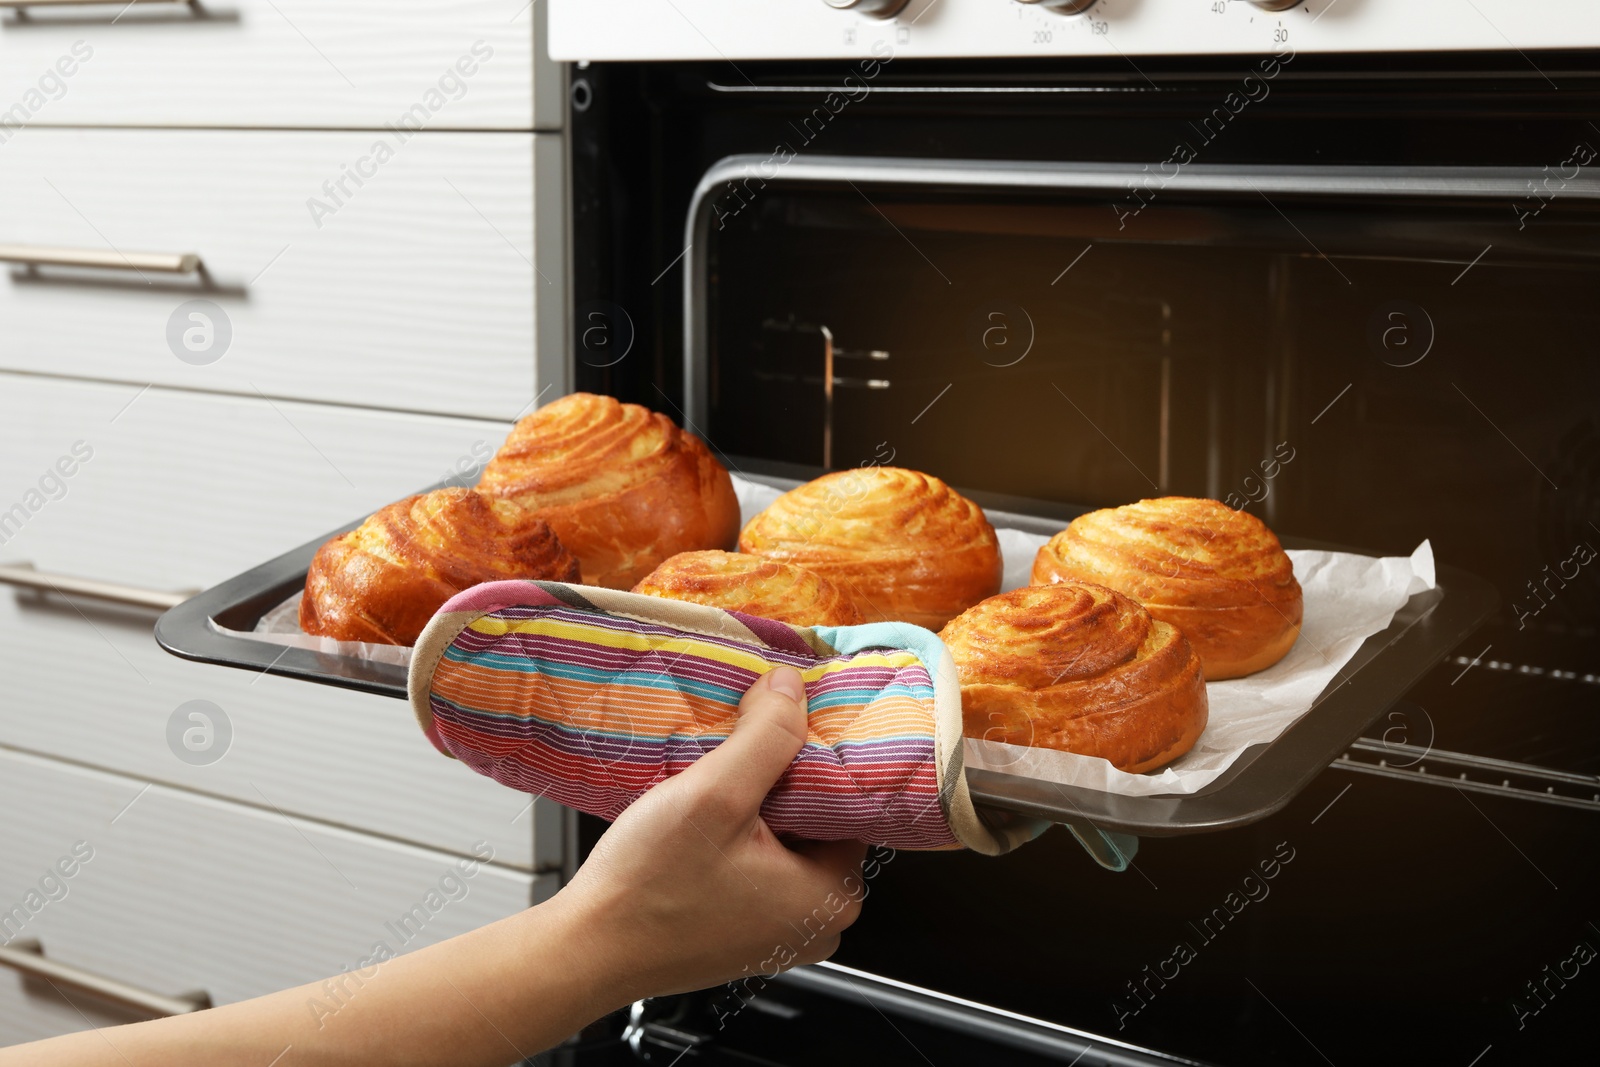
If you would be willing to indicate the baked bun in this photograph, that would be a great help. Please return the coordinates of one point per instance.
(753, 585)
(1080, 668)
(904, 545)
(1217, 574)
(622, 486)
(385, 579)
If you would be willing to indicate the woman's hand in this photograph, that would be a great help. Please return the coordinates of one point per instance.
(689, 888)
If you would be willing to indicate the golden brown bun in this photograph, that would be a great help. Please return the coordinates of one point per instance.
(1217, 574)
(622, 486)
(384, 580)
(904, 545)
(753, 585)
(1079, 668)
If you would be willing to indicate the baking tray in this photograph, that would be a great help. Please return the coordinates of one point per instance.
(1261, 781)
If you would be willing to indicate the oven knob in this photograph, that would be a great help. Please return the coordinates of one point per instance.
(878, 9)
(1277, 5)
(1063, 7)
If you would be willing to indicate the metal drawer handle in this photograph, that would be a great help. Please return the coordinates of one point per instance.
(29, 958)
(24, 576)
(63, 3)
(45, 256)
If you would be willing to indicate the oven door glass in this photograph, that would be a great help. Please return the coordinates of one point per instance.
(1360, 357)
(1353, 363)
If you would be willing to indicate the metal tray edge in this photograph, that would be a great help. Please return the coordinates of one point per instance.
(1257, 786)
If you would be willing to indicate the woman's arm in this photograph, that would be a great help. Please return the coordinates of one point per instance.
(688, 889)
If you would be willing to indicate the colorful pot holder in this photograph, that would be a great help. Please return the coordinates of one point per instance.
(590, 696)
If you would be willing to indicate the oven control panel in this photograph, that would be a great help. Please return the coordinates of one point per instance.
(883, 29)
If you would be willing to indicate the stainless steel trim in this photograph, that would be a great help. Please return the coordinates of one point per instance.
(548, 825)
(1038, 1036)
(23, 576)
(1012, 90)
(550, 81)
(827, 398)
(50, 256)
(1164, 434)
(1110, 178)
(570, 833)
(553, 353)
(28, 957)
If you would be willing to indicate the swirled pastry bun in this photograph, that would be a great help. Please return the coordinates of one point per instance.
(384, 580)
(756, 586)
(1080, 668)
(1217, 574)
(623, 487)
(904, 545)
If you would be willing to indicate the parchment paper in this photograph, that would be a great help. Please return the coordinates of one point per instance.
(281, 626)
(1348, 598)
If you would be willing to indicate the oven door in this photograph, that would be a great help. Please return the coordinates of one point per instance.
(1373, 356)
(1026, 288)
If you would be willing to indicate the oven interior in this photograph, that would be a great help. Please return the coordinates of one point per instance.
(1370, 374)
(1366, 371)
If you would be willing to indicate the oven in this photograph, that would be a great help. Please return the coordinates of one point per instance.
(1334, 263)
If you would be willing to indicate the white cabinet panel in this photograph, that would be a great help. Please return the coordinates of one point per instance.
(182, 893)
(464, 64)
(350, 267)
(91, 685)
(182, 490)
(185, 489)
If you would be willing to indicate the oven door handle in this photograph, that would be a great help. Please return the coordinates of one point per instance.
(1112, 180)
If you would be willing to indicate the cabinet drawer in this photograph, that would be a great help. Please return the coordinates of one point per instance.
(90, 685)
(181, 490)
(181, 893)
(285, 63)
(172, 489)
(414, 287)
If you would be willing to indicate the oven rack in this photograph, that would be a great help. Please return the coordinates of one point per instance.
(1472, 774)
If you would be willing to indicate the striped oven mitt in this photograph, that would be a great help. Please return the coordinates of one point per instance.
(590, 696)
